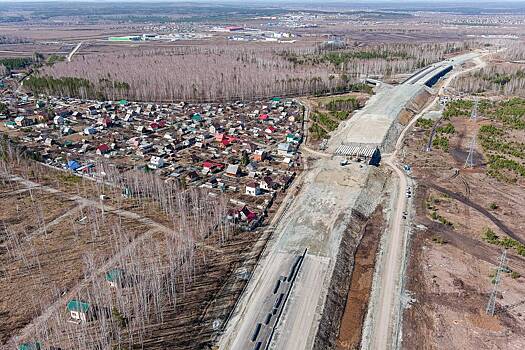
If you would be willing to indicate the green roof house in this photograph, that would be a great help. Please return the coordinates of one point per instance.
(30, 346)
(123, 102)
(115, 277)
(196, 118)
(79, 310)
(293, 138)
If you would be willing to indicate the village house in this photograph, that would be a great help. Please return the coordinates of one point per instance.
(90, 130)
(270, 130)
(211, 167)
(48, 142)
(268, 184)
(115, 278)
(58, 120)
(253, 189)
(30, 346)
(156, 162)
(22, 121)
(233, 170)
(103, 149)
(80, 311)
(66, 130)
(259, 155)
(246, 214)
(293, 138)
(285, 149)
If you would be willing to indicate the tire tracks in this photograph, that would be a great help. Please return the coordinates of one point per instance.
(461, 198)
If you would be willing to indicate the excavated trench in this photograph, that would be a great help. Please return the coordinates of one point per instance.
(337, 299)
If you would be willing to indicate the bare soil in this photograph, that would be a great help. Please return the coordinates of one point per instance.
(360, 285)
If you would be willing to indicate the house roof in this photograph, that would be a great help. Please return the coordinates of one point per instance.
(232, 169)
(77, 305)
(283, 146)
(114, 275)
(73, 165)
(268, 180)
(209, 165)
(250, 215)
(30, 346)
(196, 117)
(103, 148)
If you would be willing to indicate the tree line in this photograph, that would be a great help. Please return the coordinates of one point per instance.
(77, 87)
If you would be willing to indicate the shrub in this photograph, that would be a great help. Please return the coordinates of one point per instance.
(490, 236)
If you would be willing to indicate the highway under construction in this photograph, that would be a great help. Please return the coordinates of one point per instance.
(293, 298)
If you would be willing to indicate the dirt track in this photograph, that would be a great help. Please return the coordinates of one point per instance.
(479, 208)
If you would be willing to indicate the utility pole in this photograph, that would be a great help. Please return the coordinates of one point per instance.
(491, 305)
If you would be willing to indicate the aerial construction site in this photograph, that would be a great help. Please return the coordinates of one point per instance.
(264, 177)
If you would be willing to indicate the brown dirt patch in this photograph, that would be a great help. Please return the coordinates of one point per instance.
(362, 276)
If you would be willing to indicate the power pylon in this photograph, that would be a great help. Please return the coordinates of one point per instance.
(469, 162)
(491, 305)
(474, 113)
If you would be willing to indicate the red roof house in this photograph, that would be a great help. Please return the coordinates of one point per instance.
(103, 149)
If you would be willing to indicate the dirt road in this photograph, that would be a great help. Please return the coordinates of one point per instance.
(74, 51)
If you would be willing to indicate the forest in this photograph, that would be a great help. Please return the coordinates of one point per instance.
(227, 72)
(496, 79)
(76, 87)
(160, 259)
(503, 75)
(15, 63)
